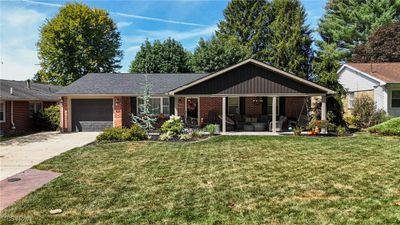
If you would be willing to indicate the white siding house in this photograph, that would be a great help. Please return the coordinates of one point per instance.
(379, 80)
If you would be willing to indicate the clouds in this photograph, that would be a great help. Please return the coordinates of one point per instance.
(19, 33)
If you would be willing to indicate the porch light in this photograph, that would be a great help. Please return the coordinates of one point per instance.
(257, 100)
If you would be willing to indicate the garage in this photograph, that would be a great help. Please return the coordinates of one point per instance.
(91, 114)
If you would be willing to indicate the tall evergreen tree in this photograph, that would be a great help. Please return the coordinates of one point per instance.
(289, 38)
(77, 41)
(217, 53)
(166, 57)
(245, 20)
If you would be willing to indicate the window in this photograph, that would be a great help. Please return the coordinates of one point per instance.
(157, 105)
(2, 111)
(34, 107)
(396, 99)
(350, 101)
(233, 105)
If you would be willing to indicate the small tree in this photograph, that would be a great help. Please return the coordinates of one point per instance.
(145, 121)
(365, 112)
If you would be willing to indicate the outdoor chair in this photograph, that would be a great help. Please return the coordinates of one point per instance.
(279, 123)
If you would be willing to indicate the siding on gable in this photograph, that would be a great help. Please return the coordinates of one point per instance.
(353, 81)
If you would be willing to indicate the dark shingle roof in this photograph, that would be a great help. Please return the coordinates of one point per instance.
(127, 83)
(37, 92)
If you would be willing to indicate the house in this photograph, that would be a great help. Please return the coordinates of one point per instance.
(255, 94)
(19, 100)
(380, 81)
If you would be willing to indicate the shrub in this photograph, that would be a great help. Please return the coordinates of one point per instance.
(185, 137)
(174, 125)
(135, 133)
(321, 124)
(390, 127)
(196, 134)
(211, 128)
(364, 109)
(351, 120)
(166, 136)
(52, 115)
(297, 131)
(111, 134)
(341, 131)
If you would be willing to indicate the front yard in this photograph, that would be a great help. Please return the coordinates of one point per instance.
(225, 180)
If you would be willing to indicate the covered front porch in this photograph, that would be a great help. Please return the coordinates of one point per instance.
(267, 114)
(249, 97)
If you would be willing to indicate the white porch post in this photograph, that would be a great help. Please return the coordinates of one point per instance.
(224, 114)
(274, 114)
(176, 105)
(323, 112)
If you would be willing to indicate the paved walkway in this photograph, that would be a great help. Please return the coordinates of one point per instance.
(21, 153)
(21, 184)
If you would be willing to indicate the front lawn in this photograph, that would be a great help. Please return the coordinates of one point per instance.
(225, 180)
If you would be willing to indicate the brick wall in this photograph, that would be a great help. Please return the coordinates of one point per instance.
(293, 107)
(345, 101)
(117, 109)
(126, 112)
(210, 104)
(64, 114)
(251, 108)
(181, 107)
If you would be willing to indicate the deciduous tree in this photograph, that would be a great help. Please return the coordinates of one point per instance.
(77, 41)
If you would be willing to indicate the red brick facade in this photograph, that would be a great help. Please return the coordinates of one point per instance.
(122, 111)
(252, 108)
(293, 106)
(22, 121)
(64, 115)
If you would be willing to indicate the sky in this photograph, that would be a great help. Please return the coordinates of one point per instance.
(185, 20)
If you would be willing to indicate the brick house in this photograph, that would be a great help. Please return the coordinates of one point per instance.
(19, 100)
(251, 94)
(380, 81)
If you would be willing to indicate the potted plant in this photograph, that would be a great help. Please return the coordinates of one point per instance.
(297, 131)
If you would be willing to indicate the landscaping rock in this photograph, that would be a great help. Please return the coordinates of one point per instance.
(55, 211)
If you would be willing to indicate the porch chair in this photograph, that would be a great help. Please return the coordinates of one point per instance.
(279, 123)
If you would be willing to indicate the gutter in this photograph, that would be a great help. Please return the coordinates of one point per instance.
(12, 116)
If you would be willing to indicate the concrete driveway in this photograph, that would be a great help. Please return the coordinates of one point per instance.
(21, 153)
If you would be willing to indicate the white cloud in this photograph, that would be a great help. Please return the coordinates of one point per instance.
(19, 33)
(123, 24)
(134, 48)
(127, 15)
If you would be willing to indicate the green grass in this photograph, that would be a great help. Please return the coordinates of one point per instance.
(225, 180)
(390, 127)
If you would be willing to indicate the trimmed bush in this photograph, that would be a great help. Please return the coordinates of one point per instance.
(211, 128)
(174, 125)
(390, 127)
(365, 112)
(52, 116)
(135, 133)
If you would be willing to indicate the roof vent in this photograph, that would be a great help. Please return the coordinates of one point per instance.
(28, 84)
(11, 91)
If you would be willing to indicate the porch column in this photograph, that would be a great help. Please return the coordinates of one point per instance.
(176, 105)
(274, 114)
(223, 114)
(323, 112)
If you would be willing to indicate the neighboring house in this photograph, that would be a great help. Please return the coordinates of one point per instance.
(19, 100)
(380, 81)
(253, 94)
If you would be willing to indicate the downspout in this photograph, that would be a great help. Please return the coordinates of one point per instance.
(12, 116)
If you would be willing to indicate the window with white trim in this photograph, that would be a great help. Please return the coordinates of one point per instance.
(34, 107)
(350, 100)
(158, 105)
(233, 105)
(395, 99)
(2, 111)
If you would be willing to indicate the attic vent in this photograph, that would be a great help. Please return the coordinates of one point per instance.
(11, 91)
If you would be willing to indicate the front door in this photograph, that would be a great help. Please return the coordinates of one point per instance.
(192, 111)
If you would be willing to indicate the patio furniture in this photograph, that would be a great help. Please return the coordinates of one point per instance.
(259, 126)
(248, 127)
(279, 123)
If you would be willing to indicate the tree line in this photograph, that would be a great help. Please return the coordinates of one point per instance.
(80, 40)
